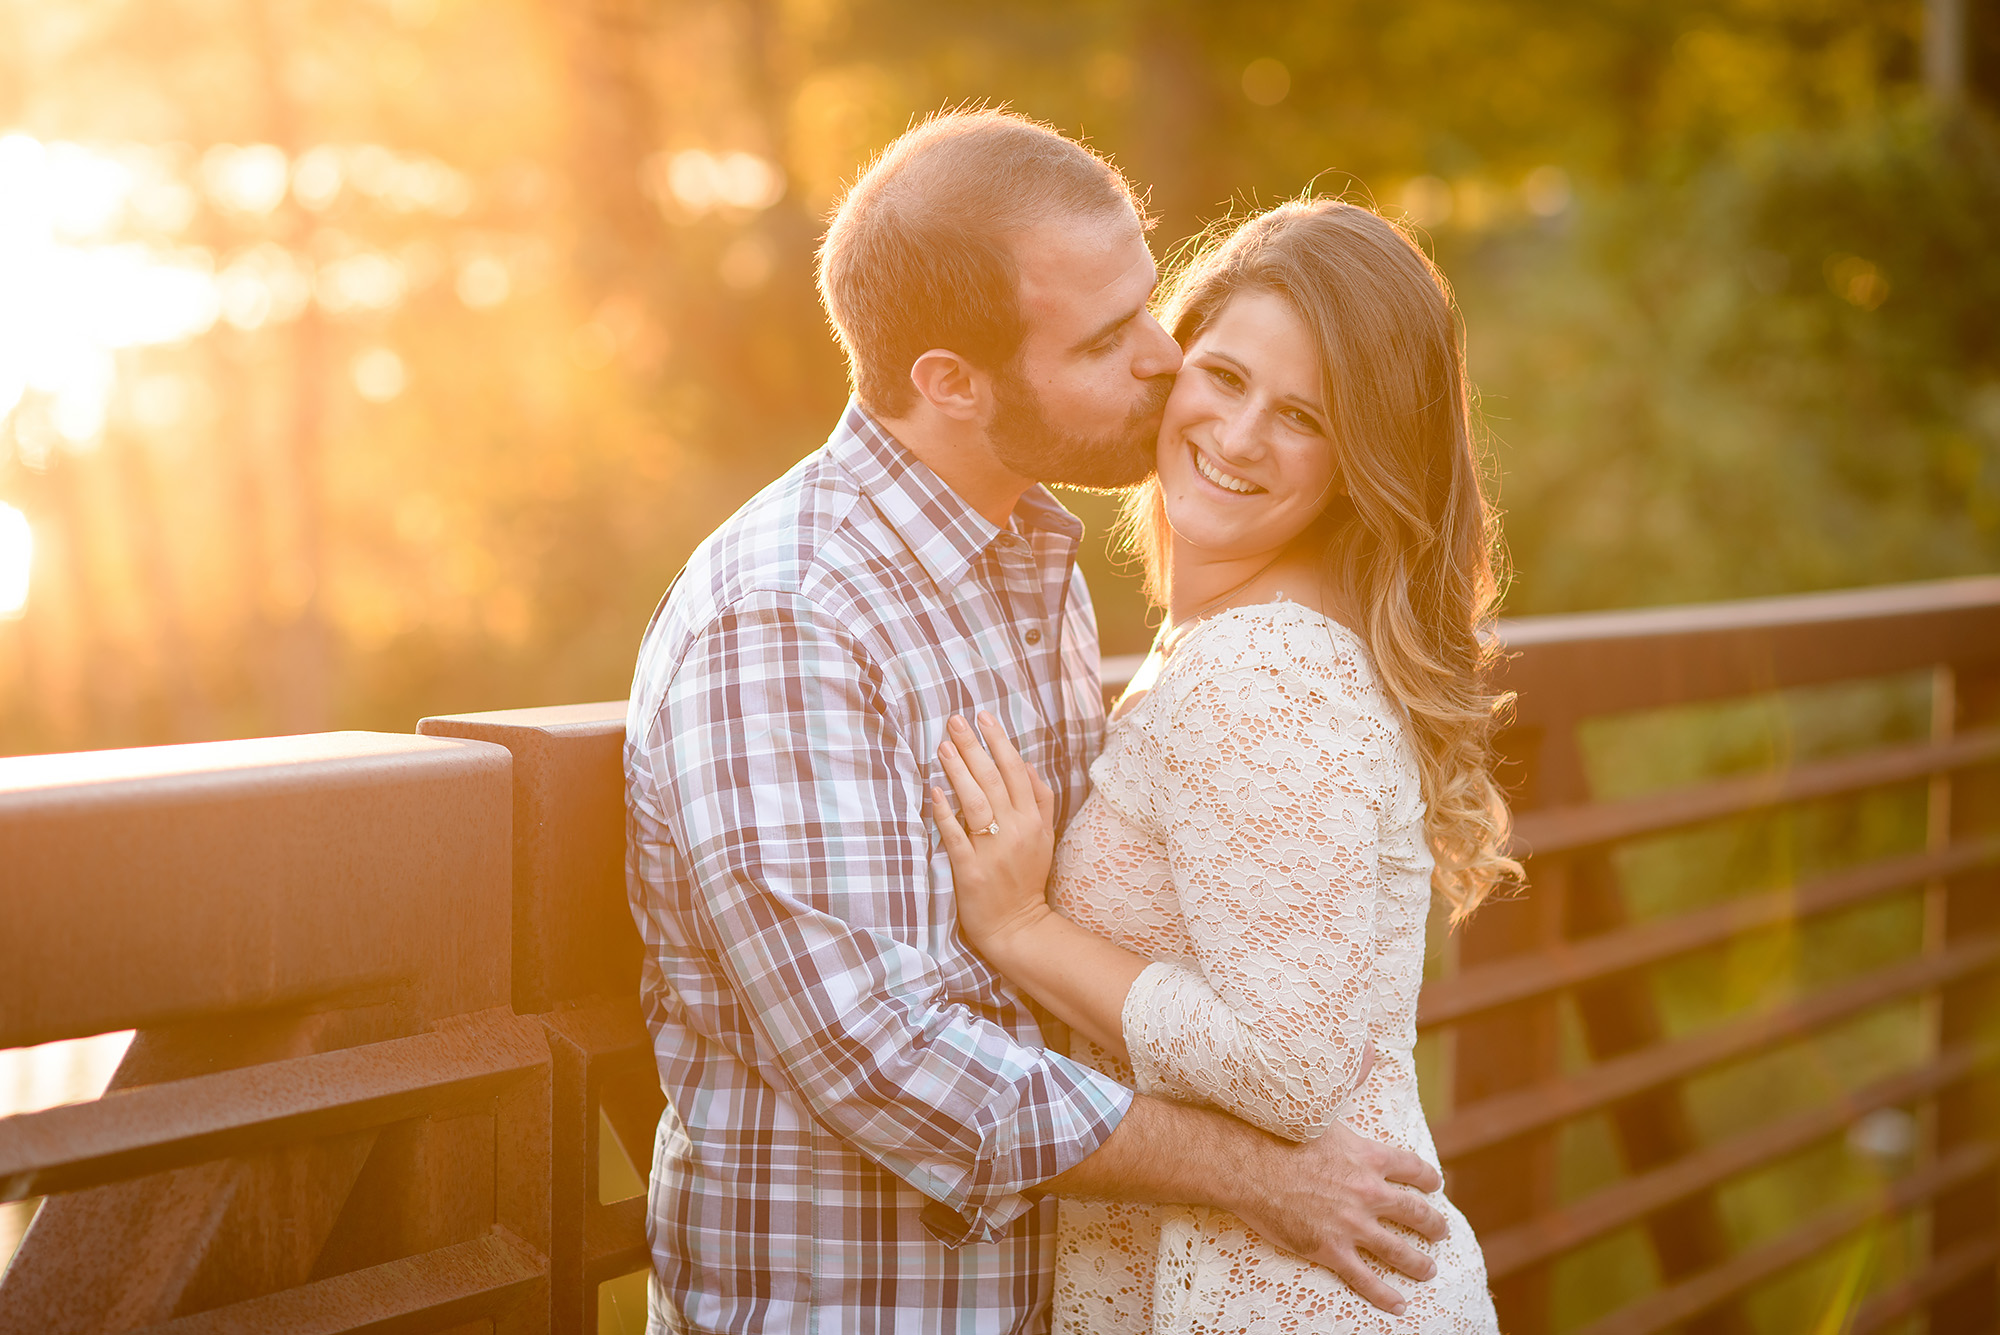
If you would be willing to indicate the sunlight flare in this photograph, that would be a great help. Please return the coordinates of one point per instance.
(17, 553)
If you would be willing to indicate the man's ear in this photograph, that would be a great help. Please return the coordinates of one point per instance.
(952, 385)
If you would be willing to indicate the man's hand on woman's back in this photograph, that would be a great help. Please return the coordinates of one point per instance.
(1327, 1200)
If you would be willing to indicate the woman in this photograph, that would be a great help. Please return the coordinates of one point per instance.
(1239, 906)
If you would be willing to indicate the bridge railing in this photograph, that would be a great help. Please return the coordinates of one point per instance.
(1564, 1020)
(385, 994)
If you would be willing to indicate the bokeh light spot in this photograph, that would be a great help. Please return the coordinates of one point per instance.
(248, 179)
(695, 181)
(1426, 199)
(1856, 281)
(483, 282)
(379, 375)
(1266, 81)
(317, 178)
(1545, 191)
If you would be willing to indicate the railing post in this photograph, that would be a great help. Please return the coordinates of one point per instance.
(1620, 1015)
(1512, 1048)
(1967, 1011)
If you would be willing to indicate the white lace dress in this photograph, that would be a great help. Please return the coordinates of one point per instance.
(1256, 826)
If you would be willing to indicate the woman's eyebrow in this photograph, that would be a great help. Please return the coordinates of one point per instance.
(1308, 404)
(1237, 364)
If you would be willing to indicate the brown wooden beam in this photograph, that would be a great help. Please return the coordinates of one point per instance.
(1494, 1121)
(1468, 993)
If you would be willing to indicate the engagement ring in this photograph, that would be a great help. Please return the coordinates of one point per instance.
(994, 828)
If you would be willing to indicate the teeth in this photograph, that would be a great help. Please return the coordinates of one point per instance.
(1236, 485)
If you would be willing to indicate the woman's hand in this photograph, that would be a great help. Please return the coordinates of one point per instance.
(1000, 856)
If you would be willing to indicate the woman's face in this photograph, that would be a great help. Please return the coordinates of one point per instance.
(1246, 454)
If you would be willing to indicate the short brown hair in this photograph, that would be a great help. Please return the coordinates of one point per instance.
(918, 255)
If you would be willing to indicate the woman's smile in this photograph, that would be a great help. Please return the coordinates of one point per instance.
(1214, 472)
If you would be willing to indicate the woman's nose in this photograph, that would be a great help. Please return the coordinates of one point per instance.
(1239, 433)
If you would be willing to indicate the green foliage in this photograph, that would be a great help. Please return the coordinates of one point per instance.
(1780, 372)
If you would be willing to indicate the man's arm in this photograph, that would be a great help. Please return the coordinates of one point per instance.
(1324, 1200)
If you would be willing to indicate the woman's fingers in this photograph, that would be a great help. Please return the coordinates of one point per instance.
(981, 765)
(973, 803)
(1014, 771)
(957, 844)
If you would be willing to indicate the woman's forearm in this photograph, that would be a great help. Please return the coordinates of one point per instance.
(1079, 976)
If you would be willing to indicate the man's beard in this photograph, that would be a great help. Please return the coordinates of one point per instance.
(1026, 441)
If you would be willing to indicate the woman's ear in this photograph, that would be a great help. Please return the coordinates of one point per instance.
(952, 385)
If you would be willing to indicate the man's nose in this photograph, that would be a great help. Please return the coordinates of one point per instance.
(1157, 353)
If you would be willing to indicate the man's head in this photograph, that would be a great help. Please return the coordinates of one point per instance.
(986, 268)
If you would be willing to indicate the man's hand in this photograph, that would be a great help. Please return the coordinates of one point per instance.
(1332, 1198)
(1327, 1200)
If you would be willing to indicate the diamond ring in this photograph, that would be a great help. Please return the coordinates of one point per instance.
(994, 828)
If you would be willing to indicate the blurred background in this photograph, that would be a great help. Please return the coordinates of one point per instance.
(365, 360)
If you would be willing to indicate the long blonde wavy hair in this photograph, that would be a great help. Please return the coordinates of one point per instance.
(1410, 550)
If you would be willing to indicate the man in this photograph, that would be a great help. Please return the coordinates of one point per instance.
(866, 1129)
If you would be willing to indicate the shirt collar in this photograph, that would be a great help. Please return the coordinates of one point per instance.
(939, 526)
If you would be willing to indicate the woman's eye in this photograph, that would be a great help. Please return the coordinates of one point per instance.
(1224, 376)
(1304, 423)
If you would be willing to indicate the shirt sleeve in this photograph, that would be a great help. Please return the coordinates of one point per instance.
(1265, 787)
(798, 803)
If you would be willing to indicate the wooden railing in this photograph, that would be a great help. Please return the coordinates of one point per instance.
(385, 994)
(1549, 1009)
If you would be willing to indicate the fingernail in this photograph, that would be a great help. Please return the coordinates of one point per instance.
(1398, 1309)
(985, 717)
(959, 725)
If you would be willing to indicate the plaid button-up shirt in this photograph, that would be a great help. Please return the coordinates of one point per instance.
(859, 1104)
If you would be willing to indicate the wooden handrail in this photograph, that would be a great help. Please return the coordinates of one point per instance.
(1556, 830)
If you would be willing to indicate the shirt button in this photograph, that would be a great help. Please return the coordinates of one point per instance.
(1033, 637)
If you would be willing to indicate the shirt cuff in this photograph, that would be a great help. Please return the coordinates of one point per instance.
(1094, 1099)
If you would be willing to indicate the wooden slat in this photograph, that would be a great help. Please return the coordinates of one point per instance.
(1711, 1288)
(615, 1240)
(1631, 1200)
(483, 1278)
(133, 1132)
(1942, 1275)
(1566, 965)
(1569, 829)
(1496, 1120)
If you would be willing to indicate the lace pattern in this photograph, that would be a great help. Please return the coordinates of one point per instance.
(1256, 826)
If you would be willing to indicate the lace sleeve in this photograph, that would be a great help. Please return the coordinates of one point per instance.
(1265, 784)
